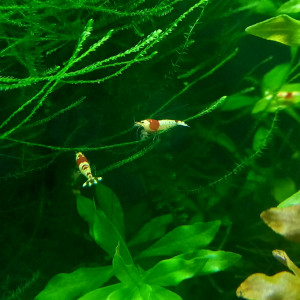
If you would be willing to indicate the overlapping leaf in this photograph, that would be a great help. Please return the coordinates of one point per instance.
(185, 238)
(101, 228)
(171, 272)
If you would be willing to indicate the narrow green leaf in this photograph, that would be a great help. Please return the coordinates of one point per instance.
(126, 273)
(101, 293)
(152, 230)
(101, 228)
(73, 285)
(186, 238)
(282, 29)
(293, 200)
(171, 272)
(111, 206)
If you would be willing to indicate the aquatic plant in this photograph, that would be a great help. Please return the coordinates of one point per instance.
(184, 244)
(283, 219)
(76, 76)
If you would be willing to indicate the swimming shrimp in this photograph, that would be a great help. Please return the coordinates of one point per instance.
(153, 126)
(85, 169)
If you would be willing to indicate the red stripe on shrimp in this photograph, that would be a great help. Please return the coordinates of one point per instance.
(154, 124)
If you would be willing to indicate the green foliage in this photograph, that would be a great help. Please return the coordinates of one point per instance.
(75, 284)
(282, 29)
(292, 200)
(184, 239)
(75, 76)
(136, 283)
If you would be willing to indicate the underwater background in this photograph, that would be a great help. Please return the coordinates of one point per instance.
(177, 212)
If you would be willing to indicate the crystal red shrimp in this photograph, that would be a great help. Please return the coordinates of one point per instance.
(152, 126)
(85, 169)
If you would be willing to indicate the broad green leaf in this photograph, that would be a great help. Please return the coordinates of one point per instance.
(73, 285)
(293, 200)
(292, 6)
(126, 273)
(171, 272)
(152, 230)
(185, 238)
(282, 29)
(101, 293)
(237, 101)
(275, 78)
(101, 228)
(111, 206)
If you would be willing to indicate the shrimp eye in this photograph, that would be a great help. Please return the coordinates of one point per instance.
(142, 122)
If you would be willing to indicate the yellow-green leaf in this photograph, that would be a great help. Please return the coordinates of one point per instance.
(283, 286)
(282, 29)
(285, 221)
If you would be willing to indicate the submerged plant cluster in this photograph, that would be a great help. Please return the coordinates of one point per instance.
(167, 211)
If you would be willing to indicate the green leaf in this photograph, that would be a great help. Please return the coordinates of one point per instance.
(261, 105)
(293, 200)
(101, 228)
(274, 79)
(171, 272)
(282, 29)
(73, 285)
(185, 238)
(124, 293)
(237, 101)
(152, 230)
(111, 206)
(126, 273)
(292, 6)
(101, 293)
(160, 293)
(141, 292)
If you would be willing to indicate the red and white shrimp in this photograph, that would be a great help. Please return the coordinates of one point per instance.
(153, 126)
(85, 169)
(288, 96)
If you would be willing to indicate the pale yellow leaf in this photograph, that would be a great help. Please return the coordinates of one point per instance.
(285, 221)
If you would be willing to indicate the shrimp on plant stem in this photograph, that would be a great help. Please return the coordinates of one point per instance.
(153, 126)
(85, 169)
